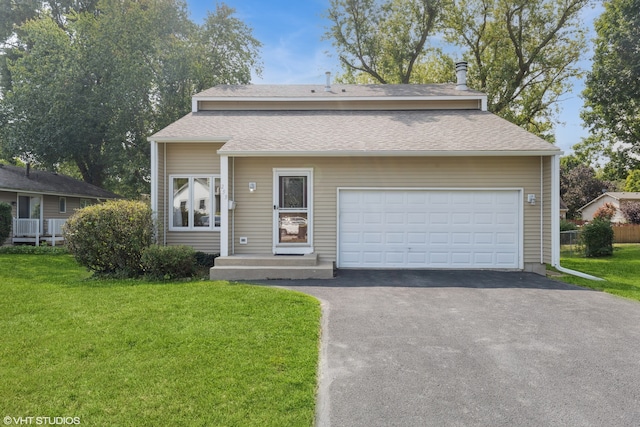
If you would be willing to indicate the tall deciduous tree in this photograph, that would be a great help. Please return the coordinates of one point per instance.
(385, 39)
(612, 92)
(92, 89)
(523, 53)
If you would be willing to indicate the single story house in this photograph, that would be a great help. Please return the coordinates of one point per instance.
(42, 201)
(616, 198)
(305, 178)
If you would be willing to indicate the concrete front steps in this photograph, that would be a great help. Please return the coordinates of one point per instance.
(264, 267)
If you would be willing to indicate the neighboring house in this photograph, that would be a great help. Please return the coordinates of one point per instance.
(356, 176)
(617, 199)
(42, 201)
(563, 209)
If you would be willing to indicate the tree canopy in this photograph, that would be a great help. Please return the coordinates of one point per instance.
(579, 185)
(384, 40)
(612, 89)
(523, 54)
(87, 86)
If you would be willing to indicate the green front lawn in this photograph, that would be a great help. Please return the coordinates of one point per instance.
(621, 271)
(133, 353)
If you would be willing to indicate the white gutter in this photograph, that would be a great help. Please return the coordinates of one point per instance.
(555, 223)
(321, 98)
(387, 153)
(220, 139)
(51, 193)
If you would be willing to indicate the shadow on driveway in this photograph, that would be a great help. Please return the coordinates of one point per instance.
(432, 279)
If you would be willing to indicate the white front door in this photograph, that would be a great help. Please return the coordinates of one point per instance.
(292, 211)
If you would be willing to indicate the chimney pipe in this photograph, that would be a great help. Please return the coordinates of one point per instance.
(28, 168)
(327, 88)
(461, 75)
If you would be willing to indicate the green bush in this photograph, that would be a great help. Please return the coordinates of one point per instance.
(110, 238)
(597, 237)
(205, 260)
(5, 221)
(566, 225)
(168, 262)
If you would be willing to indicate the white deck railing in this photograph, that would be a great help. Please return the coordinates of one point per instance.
(54, 228)
(24, 227)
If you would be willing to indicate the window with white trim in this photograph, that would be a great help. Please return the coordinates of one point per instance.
(194, 202)
(62, 205)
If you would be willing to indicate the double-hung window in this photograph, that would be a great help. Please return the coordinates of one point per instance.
(195, 202)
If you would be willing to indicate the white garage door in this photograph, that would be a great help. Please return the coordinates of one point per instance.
(429, 229)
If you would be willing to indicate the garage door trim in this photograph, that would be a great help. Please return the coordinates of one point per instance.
(520, 214)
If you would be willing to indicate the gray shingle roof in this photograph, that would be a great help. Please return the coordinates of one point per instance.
(624, 195)
(13, 178)
(366, 132)
(296, 91)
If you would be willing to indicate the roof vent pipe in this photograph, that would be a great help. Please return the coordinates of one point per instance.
(461, 75)
(327, 88)
(28, 169)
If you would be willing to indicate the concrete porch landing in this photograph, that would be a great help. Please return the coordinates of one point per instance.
(265, 267)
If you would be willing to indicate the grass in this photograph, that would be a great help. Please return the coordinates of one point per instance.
(133, 353)
(621, 272)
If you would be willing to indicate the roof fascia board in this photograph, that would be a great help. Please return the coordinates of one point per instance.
(232, 153)
(217, 139)
(595, 200)
(340, 98)
(50, 193)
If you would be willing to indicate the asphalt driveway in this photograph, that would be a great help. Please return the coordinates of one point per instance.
(443, 348)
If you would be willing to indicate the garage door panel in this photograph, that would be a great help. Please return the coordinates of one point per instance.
(429, 228)
(416, 238)
(461, 238)
(438, 238)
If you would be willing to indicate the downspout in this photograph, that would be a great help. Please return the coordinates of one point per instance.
(224, 210)
(555, 222)
(233, 212)
(154, 187)
(541, 210)
(166, 199)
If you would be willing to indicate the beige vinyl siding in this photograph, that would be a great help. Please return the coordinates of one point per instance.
(254, 211)
(186, 159)
(455, 104)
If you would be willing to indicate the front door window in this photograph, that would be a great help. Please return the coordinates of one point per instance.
(292, 211)
(292, 206)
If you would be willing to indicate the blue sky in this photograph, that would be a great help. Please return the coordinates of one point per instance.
(293, 50)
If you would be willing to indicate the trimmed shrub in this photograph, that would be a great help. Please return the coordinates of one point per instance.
(169, 262)
(631, 212)
(5, 221)
(205, 260)
(597, 237)
(111, 237)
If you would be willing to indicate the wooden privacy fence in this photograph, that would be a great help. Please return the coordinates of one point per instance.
(627, 233)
